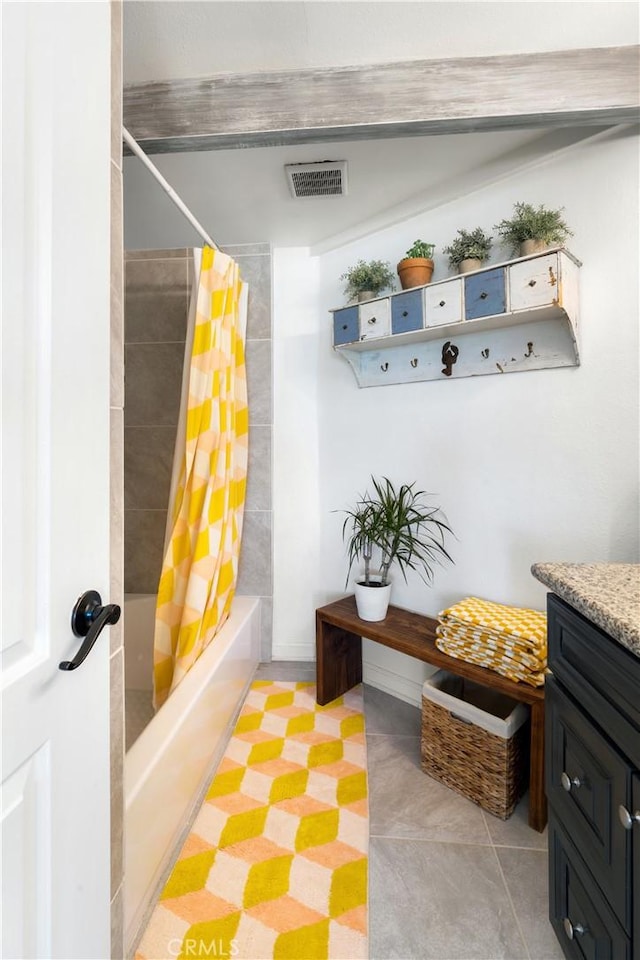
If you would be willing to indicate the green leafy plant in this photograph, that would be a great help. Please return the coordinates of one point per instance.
(420, 249)
(401, 526)
(469, 245)
(533, 223)
(374, 276)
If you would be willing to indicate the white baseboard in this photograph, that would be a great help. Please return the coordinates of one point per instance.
(394, 683)
(293, 651)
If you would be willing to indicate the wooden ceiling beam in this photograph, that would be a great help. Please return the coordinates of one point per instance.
(412, 98)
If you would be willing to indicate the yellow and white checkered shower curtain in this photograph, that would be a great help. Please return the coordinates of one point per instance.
(200, 565)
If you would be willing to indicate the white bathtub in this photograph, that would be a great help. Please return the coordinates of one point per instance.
(169, 765)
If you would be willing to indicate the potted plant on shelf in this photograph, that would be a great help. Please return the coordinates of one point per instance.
(469, 250)
(416, 268)
(533, 229)
(367, 279)
(398, 526)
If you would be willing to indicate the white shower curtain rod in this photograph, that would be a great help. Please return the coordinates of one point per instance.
(135, 147)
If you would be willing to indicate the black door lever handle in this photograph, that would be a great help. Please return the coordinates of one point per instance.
(88, 620)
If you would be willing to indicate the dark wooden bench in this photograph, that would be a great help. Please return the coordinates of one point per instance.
(339, 632)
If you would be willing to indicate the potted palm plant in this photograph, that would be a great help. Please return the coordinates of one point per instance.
(469, 250)
(533, 229)
(367, 279)
(396, 526)
(416, 268)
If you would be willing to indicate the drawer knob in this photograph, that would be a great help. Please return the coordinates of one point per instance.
(573, 929)
(532, 283)
(484, 295)
(442, 303)
(628, 819)
(344, 326)
(371, 320)
(569, 782)
(405, 313)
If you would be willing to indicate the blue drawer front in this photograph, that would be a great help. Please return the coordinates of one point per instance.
(484, 294)
(345, 326)
(406, 312)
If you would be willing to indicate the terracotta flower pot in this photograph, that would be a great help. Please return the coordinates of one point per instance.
(415, 272)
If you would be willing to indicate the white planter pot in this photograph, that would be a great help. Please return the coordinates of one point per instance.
(372, 601)
(466, 266)
(527, 247)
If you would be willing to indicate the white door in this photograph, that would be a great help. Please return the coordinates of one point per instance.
(55, 477)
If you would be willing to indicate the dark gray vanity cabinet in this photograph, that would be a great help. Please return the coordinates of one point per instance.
(593, 787)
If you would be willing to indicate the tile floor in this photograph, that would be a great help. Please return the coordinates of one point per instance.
(447, 881)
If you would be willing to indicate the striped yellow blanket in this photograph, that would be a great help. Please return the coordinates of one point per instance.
(510, 640)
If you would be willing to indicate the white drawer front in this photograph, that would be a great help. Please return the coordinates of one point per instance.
(534, 283)
(443, 303)
(375, 319)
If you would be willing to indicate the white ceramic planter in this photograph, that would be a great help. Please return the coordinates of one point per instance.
(372, 601)
(527, 247)
(466, 266)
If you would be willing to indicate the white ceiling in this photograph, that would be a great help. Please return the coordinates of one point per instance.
(242, 195)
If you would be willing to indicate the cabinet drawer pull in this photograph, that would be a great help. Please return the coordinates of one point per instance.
(569, 782)
(573, 930)
(628, 819)
(484, 295)
(532, 283)
(405, 313)
(344, 326)
(442, 303)
(371, 320)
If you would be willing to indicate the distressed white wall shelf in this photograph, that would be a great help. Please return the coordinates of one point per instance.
(520, 315)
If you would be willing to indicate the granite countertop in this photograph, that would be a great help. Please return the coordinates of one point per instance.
(608, 594)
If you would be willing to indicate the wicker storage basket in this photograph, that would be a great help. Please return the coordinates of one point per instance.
(475, 741)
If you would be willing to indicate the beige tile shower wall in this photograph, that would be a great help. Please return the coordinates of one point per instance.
(255, 576)
(157, 285)
(156, 310)
(117, 493)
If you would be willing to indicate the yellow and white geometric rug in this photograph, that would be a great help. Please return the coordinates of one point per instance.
(276, 863)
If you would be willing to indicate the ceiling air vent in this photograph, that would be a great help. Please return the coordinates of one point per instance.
(326, 178)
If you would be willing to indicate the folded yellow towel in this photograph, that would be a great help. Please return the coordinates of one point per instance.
(510, 640)
(532, 656)
(533, 646)
(485, 658)
(499, 618)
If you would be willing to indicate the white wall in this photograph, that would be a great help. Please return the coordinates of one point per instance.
(533, 466)
(169, 40)
(297, 470)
